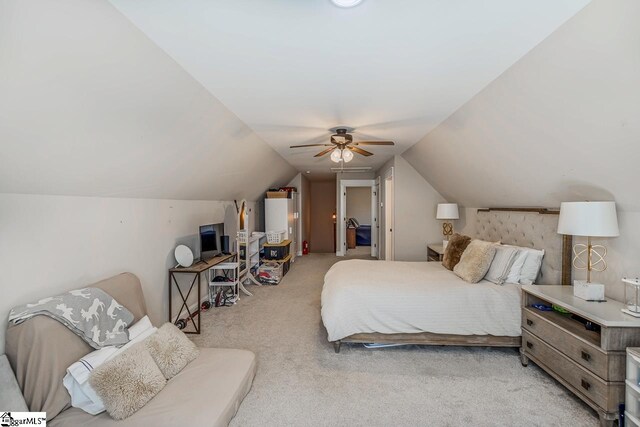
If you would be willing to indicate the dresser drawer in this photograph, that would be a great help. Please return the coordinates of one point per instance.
(606, 365)
(606, 395)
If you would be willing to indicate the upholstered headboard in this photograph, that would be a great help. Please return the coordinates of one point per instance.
(535, 228)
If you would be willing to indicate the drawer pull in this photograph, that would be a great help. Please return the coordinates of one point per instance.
(585, 385)
(586, 356)
(529, 322)
(529, 345)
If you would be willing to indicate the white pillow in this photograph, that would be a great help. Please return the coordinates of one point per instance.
(76, 382)
(514, 272)
(501, 264)
(531, 267)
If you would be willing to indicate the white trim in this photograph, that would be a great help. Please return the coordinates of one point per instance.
(341, 214)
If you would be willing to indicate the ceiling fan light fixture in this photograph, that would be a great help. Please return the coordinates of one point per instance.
(346, 3)
(336, 155)
(347, 155)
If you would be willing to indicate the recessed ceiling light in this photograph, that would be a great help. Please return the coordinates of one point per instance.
(346, 3)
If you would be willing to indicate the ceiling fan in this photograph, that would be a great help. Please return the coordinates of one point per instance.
(342, 146)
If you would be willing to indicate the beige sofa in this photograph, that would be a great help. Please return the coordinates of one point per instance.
(207, 392)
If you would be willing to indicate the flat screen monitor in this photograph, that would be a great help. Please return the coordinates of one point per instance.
(210, 245)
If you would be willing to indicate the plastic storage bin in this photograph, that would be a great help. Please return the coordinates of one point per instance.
(632, 399)
(270, 273)
(633, 366)
(276, 252)
(275, 237)
(630, 420)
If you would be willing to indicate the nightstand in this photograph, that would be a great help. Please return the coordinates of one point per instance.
(435, 252)
(584, 349)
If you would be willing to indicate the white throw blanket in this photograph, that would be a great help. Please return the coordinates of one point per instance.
(409, 297)
(76, 381)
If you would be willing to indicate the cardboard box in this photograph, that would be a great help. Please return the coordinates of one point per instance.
(278, 195)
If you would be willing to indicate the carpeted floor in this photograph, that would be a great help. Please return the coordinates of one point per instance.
(302, 382)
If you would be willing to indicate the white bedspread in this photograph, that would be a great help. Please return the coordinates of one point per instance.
(407, 297)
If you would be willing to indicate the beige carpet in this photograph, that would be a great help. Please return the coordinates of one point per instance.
(302, 382)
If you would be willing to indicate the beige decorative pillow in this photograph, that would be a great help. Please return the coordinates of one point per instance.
(127, 382)
(457, 244)
(475, 261)
(171, 349)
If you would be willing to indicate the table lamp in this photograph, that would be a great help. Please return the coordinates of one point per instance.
(589, 219)
(447, 211)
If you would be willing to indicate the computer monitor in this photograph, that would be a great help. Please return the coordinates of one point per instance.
(210, 244)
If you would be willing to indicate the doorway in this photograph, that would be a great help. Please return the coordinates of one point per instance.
(389, 243)
(363, 229)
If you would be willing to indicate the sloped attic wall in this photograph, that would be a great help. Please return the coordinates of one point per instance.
(90, 106)
(562, 124)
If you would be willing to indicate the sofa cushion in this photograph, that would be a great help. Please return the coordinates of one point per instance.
(207, 392)
(41, 349)
(10, 395)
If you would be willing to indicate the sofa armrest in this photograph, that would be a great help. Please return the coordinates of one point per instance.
(10, 395)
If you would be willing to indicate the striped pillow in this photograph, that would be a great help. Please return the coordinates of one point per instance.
(501, 264)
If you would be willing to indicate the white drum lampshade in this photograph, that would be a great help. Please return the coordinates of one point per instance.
(589, 219)
(447, 211)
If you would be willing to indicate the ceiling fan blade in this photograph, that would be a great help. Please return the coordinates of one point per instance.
(311, 145)
(360, 150)
(374, 143)
(323, 152)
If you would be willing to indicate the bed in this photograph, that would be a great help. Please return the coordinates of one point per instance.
(424, 303)
(363, 235)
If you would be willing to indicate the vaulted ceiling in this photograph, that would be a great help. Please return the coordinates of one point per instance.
(291, 70)
(200, 99)
(563, 124)
(89, 106)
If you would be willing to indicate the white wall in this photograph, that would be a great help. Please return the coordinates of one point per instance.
(89, 106)
(415, 203)
(562, 124)
(301, 183)
(50, 244)
(359, 204)
(415, 212)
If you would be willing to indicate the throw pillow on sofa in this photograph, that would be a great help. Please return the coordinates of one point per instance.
(171, 349)
(128, 381)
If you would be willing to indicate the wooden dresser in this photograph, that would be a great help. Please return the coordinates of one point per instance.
(589, 362)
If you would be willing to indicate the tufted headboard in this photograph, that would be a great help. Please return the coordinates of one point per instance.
(536, 228)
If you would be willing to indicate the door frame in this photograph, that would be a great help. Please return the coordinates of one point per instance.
(341, 214)
(388, 208)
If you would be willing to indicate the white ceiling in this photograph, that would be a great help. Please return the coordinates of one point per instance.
(291, 69)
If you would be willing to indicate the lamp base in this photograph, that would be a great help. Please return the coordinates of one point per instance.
(630, 312)
(588, 291)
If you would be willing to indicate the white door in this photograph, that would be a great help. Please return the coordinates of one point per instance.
(374, 219)
(388, 219)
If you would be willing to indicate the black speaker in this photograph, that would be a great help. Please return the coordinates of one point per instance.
(224, 242)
